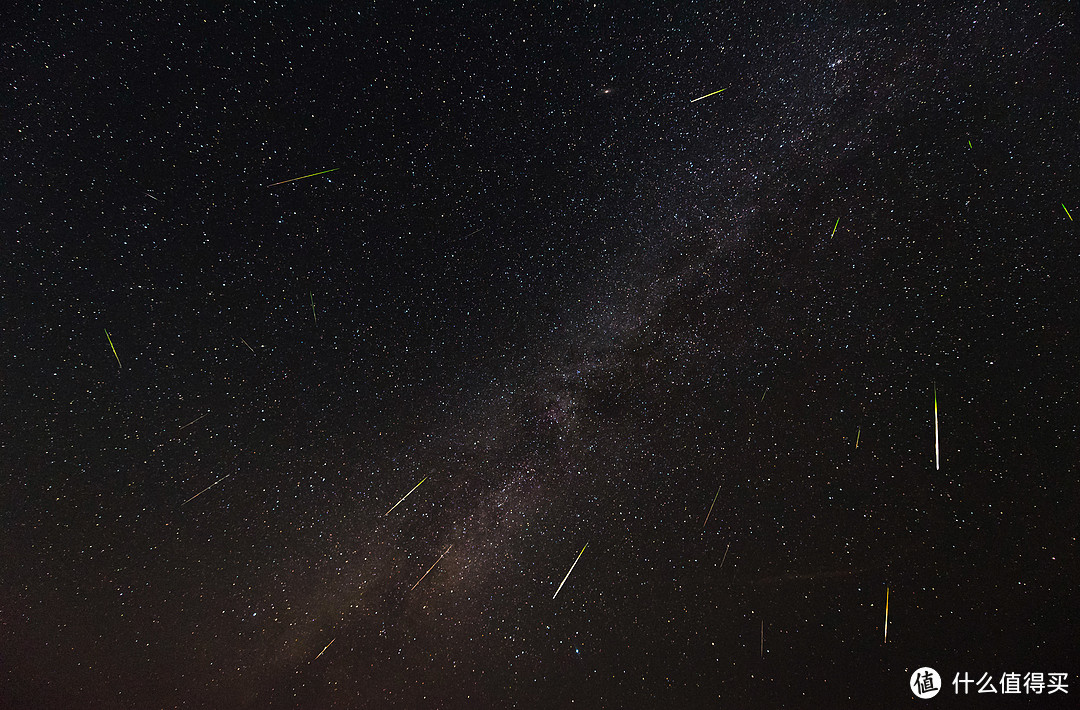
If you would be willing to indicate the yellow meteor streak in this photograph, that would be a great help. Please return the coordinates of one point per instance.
(707, 95)
(571, 570)
(937, 451)
(248, 346)
(710, 509)
(725, 556)
(430, 568)
(886, 615)
(834, 228)
(303, 177)
(857, 434)
(1066, 211)
(113, 348)
(324, 650)
(404, 497)
(205, 489)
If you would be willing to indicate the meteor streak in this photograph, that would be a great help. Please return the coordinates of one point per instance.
(707, 95)
(324, 649)
(248, 346)
(113, 348)
(725, 555)
(192, 422)
(314, 315)
(205, 489)
(834, 228)
(430, 568)
(857, 435)
(571, 570)
(937, 451)
(710, 509)
(303, 177)
(1066, 211)
(886, 615)
(404, 497)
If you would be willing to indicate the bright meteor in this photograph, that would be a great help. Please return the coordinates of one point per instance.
(834, 228)
(324, 649)
(886, 615)
(404, 497)
(113, 348)
(571, 570)
(1066, 211)
(707, 95)
(937, 453)
(303, 177)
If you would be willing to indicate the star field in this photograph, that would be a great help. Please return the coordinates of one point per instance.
(575, 305)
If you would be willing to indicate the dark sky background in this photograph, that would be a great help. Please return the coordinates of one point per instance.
(581, 309)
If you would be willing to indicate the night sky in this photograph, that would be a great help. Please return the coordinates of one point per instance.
(580, 310)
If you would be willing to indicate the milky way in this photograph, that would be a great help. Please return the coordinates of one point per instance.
(535, 266)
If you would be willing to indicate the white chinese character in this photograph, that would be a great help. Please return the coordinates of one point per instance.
(1010, 683)
(986, 684)
(957, 682)
(1033, 683)
(1057, 683)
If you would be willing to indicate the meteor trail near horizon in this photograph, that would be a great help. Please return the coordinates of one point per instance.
(430, 568)
(113, 349)
(303, 177)
(205, 489)
(937, 451)
(886, 615)
(404, 497)
(707, 95)
(710, 509)
(568, 572)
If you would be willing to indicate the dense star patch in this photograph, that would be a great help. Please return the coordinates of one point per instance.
(684, 356)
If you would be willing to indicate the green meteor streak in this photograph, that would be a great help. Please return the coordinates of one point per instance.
(302, 177)
(706, 96)
(1066, 211)
(113, 348)
(969, 145)
(857, 435)
(710, 509)
(834, 228)
(404, 497)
